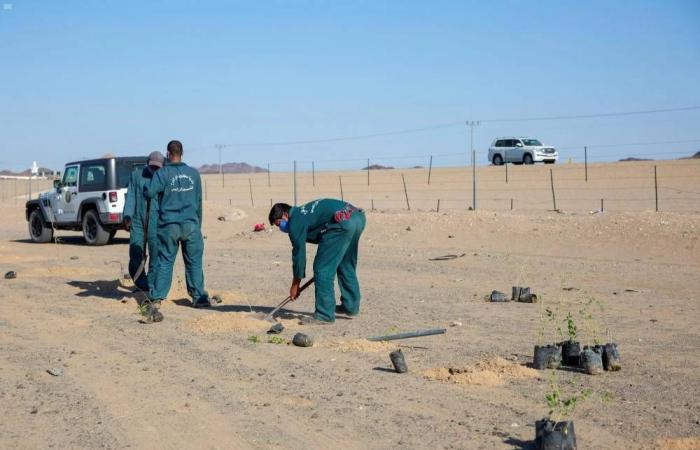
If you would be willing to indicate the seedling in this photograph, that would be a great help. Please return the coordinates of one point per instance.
(275, 340)
(254, 339)
(571, 327)
(560, 407)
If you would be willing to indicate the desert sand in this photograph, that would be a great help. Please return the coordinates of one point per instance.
(197, 380)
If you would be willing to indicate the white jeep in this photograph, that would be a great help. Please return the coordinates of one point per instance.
(521, 151)
(89, 198)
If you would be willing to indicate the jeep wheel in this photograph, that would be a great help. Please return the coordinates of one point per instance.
(92, 229)
(497, 160)
(527, 159)
(38, 230)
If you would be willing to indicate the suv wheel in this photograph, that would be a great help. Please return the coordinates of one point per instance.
(527, 159)
(92, 229)
(497, 160)
(38, 230)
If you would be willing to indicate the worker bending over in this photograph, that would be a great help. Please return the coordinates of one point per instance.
(335, 226)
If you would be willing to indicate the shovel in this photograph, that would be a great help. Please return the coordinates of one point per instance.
(271, 315)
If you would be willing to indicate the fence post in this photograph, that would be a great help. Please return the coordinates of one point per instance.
(551, 181)
(438, 206)
(511, 204)
(205, 190)
(602, 207)
(372, 204)
(268, 174)
(367, 171)
(430, 168)
(313, 174)
(340, 180)
(506, 164)
(656, 190)
(585, 162)
(295, 182)
(408, 205)
(250, 184)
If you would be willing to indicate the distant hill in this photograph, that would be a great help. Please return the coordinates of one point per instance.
(377, 167)
(695, 156)
(231, 168)
(632, 158)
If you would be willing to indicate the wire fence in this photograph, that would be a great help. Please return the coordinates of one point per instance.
(672, 186)
(630, 186)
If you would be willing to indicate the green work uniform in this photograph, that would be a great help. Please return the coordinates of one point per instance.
(335, 226)
(135, 208)
(178, 188)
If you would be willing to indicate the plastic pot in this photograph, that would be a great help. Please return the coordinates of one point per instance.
(611, 357)
(546, 357)
(592, 360)
(550, 435)
(398, 360)
(302, 340)
(571, 353)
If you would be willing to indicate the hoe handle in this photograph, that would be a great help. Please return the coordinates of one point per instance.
(289, 299)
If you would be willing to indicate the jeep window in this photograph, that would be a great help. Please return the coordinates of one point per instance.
(124, 169)
(533, 142)
(70, 176)
(93, 177)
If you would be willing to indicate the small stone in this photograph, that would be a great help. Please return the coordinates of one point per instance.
(408, 228)
(11, 275)
(456, 324)
(450, 236)
(74, 258)
(55, 371)
(221, 218)
(34, 411)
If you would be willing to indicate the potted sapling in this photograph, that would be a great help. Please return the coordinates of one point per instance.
(609, 355)
(556, 432)
(546, 356)
(570, 349)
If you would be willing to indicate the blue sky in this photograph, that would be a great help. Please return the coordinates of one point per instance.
(82, 78)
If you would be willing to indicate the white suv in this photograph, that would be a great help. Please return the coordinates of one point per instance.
(521, 151)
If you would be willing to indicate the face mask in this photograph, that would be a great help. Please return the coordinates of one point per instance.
(284, 226)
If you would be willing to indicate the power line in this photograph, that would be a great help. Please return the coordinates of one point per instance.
(457, 124)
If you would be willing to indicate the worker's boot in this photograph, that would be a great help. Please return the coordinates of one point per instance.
(204, 302)
(151, 313)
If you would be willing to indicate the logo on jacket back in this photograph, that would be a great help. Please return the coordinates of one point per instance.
(181, 183)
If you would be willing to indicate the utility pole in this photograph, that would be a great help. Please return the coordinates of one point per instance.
(471, 124)
(221, 167)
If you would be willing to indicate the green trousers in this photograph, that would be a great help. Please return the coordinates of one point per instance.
(337, 255)
(188, 236)
(136, 248)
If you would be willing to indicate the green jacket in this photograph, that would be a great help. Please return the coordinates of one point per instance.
(307, 223)
(135, 204)
(178, 188)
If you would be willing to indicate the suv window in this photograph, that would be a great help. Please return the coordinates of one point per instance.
(533, 142)
(70, 176)
(498, 143)
(124, 169)
(93, 177)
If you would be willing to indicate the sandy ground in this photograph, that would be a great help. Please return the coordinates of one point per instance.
(197, 380)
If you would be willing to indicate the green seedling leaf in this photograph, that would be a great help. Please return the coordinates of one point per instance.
(275, 340)
(254, 339)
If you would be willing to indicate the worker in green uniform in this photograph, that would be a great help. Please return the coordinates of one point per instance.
(335, 226)
(141, 217)
(178, 188)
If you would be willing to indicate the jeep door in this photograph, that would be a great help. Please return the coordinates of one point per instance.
(64, 203)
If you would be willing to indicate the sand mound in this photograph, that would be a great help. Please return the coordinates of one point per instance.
(221, 322)
(690, 443)
(359, 345)
(491, 372)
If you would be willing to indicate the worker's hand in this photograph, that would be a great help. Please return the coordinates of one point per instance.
(294, 289)
(127, 223)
